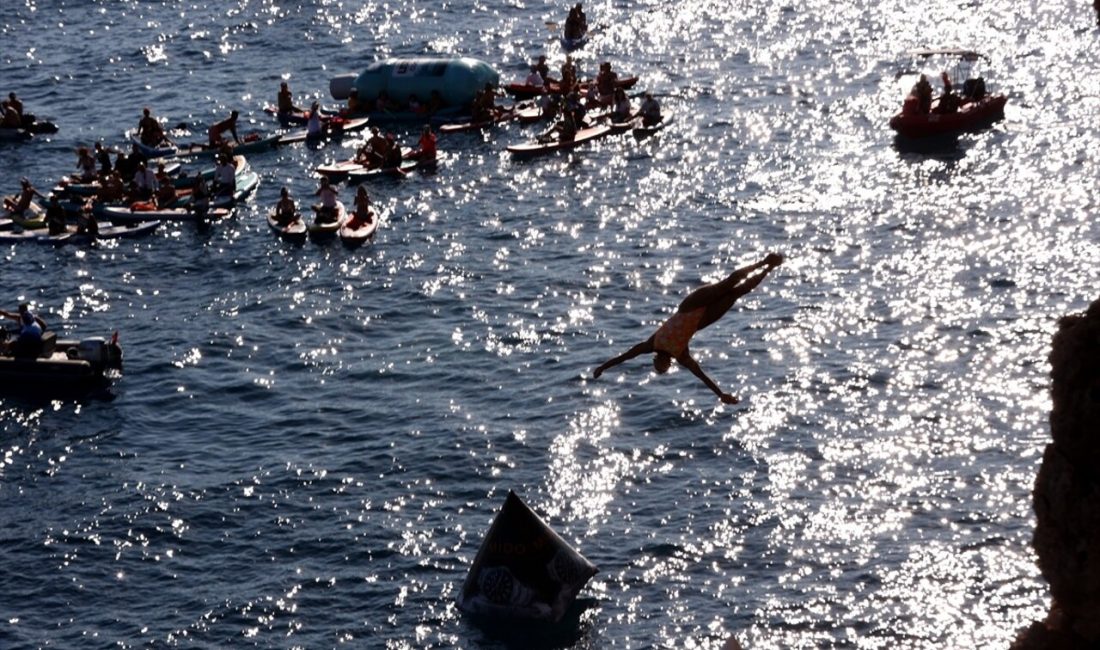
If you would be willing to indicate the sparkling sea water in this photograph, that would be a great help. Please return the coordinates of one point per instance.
(309, 442)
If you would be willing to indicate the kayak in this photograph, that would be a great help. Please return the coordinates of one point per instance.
(359, 233)
(334, 127)
(384, 173)
(294, 231)
(329, 228)
(532, 149)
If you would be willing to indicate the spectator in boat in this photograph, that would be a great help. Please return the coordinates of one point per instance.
(28, 344)
(166, 195)
(86, 223)
(150, 133)
(363, 213)
(55, 216)
(9, 117)
(86, 164)
(17, 105)
(426, 150)
(218, 130)
(621, 111)
(22, 201)
(650, 110)
(922, 90)
(949, 101)
(285, 100)
(225, 176)
(699, 309)
(326, 209)
(145, 182)
(286, 210)
(535, 79)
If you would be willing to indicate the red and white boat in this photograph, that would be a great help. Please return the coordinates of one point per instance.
(975, 108)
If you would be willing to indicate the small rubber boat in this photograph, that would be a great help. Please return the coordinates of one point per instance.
(964, 106)
(61, 367)
(328, 229)
(383, 173)
(294, 231)
(355, 232)
(532, 149)
(8, 134)
(970, 116)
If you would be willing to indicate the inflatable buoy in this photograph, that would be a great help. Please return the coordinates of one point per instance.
(457, 80)
(523, 569)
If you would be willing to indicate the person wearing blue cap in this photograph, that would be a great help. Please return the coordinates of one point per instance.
(29, 341)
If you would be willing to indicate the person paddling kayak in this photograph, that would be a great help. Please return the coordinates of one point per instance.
(701, 308)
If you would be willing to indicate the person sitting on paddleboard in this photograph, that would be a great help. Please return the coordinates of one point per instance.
(568, 75)
(55, 216)
(228, 124)
(373, 153)
(285, 100)
(145, 182)
(543, 68)
(392, 159)
(286, 210)
(606, 82)
(225, 176)
(326, 209)
(650, 111)
(576, 24)
(621, 110)
(426, 150)
(22, 201)
(200, 197)
(362, 214)
(112, 188)
(699, 309)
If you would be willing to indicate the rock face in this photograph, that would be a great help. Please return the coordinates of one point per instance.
(1067, 492)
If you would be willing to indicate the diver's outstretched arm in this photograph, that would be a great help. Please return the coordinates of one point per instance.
(691, 364)
(641, 348)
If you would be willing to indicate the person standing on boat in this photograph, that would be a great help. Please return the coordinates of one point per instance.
(698, 310)
(22, 201)
(228, 124)
(326, 209)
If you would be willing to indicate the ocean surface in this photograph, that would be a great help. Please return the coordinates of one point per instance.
(308, 443)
